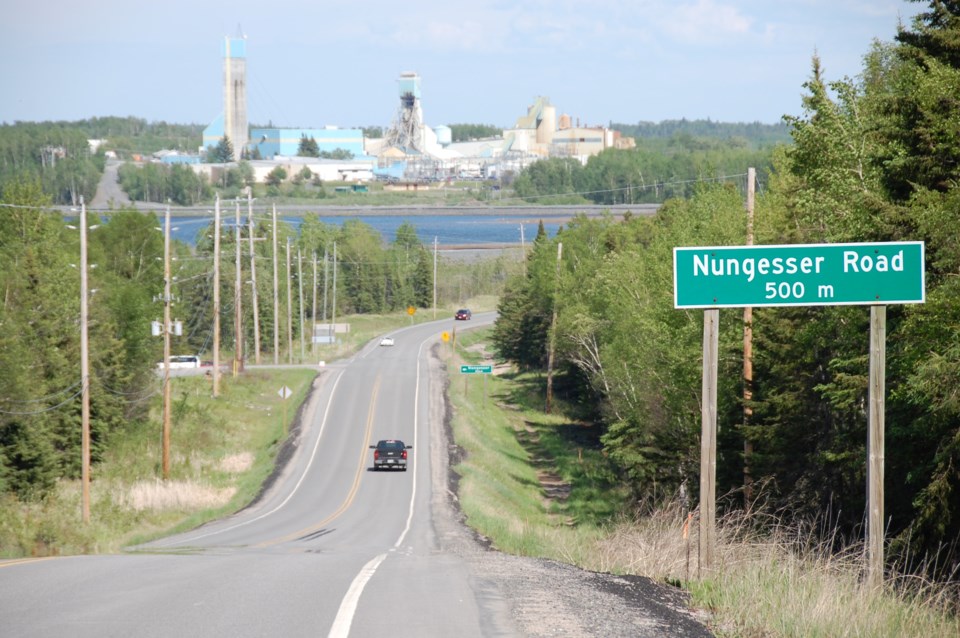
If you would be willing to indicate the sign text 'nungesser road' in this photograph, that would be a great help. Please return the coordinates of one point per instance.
(475, 369)
(799, 275)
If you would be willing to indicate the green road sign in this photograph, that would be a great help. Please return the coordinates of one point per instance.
(476, 369)
(799, 275)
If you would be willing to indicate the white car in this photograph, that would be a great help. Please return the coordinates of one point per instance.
(386, 341)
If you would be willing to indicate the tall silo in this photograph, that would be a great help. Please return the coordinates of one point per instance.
(547, 125)
(444, 134)
(235, 93)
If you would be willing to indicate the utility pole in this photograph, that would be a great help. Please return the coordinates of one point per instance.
(237, 300)
(253, 284)
(84, 369)
(434, 276)
(748, 355)
(553, 331)
(325, 282)
(216, 299)
(523, 251)
(300, 297)
(313, 311)
(333, 307)
(289, 310)
(165, 454)
(276, 294)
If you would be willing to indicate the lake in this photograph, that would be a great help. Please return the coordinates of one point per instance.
(449, 230)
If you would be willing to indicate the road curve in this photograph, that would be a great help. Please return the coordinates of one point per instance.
(331, 548)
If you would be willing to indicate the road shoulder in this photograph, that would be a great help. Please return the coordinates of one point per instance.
(543, 597)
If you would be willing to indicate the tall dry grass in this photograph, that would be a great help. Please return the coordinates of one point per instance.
(776, 579)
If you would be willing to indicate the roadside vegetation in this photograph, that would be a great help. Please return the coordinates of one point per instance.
(540, 485)
(222, 451)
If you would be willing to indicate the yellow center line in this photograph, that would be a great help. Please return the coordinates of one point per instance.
(316, 527)
(29, 559)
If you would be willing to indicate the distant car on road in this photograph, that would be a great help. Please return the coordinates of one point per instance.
(386, 341)
(463, 314)
(181, 361)
(390, 454)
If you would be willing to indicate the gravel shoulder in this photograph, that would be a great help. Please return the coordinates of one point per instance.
(544, 597)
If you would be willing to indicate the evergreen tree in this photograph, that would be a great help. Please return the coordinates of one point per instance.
(308, 147)
(222, 153)
(423, 279)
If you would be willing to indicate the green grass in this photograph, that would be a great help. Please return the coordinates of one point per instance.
(221, 450)
(776, 582)
(511, 449)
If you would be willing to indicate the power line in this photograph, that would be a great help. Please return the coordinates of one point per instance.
(45, 410)
(44, 398)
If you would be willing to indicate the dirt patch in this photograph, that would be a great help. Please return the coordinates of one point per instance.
(236, 463)
(168, 495)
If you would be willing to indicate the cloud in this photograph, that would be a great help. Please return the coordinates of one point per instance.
(706, 22)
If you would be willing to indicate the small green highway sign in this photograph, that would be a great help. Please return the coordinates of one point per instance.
(799, 275)
(476, 369)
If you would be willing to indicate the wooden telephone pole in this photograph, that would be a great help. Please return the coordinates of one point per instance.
(253, 284)
(237, 298)
(300, 298)
(84, 369)
(216, 299)
(289, 309)
(313, 310)
(748, 355)
(165, 454)
(276, 294)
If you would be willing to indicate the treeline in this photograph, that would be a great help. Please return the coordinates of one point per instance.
(40, 384)
(55, 154)
(177, 183)
(132, 135)
(650, 173)
(58, 154)
(40, 391)
(466, 132)
(872, 160)
(754, 134)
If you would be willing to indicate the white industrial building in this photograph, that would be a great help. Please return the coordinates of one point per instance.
(409, 151)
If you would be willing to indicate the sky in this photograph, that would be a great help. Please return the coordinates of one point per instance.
(315, 63)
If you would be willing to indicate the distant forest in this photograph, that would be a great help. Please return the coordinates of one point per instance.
(755, 133)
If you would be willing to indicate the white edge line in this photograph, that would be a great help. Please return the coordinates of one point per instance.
(348, 607)
(303, 476)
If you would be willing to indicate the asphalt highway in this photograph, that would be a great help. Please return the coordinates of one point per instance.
(332, 548)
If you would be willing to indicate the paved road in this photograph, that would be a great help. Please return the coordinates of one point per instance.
(109, 194)
(332, 548)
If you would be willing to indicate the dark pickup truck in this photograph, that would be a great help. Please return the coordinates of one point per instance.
(390, 454)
